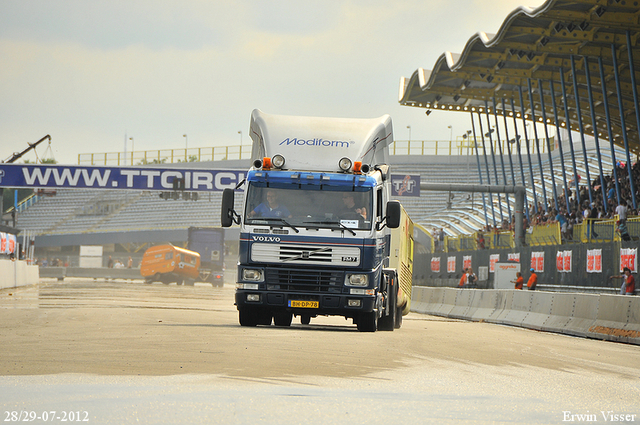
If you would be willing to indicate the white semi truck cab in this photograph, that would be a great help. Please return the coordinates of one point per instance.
(315, 223)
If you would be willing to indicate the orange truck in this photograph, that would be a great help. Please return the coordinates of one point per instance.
(168, 263)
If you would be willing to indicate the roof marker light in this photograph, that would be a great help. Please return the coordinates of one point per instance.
(357, 167)
(266, 163)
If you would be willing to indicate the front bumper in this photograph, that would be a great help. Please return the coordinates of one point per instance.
(327, 304)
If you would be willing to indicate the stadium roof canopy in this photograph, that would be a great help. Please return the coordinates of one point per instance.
(540, 47)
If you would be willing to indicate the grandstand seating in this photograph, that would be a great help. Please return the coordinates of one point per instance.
(74, 211)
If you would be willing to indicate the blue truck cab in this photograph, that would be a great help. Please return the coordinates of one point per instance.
(315, 223)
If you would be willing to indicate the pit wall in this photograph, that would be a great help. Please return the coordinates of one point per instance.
(607, 317)
(17, 273)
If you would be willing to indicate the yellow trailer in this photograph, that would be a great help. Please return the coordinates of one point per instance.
(401, 259)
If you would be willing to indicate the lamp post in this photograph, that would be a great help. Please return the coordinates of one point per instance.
(450, 127)
(409, 127)
(186, 147)
(131, 138)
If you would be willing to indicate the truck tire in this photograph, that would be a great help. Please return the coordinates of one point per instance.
(368, 322)
(264, 317)
(387, 322)
(248, 316)
(305, 319)
(282, 318)
(399, 311)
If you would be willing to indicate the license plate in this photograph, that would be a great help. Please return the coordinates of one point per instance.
(304, 304)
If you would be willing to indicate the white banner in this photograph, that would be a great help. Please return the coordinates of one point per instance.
(493, 259)
(451, 264)
(537, 261)
(594, 261)
(629, 258)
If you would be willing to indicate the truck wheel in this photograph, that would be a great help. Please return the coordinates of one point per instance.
(398, 323)
(282, 318)
(189, 282)
(264, 318)
(387, 323)
(368, 322)
(248, 316)
(305, 319)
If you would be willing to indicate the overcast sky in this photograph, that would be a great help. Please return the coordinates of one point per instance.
(87, 72)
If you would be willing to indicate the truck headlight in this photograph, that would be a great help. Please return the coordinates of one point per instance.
(254, 275)
(357, 280)
(344, 164)
(278, 161)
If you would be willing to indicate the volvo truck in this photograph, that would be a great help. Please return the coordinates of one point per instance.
(316, 224)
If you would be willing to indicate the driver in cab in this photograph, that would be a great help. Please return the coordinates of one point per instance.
(271, 208)
(351, 210)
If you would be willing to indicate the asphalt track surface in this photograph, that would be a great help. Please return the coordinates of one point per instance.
(121, 352)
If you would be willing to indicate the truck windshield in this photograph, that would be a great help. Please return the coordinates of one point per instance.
(310, 207)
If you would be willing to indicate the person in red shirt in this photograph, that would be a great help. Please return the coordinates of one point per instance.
(519, 281)
(629, 285)
(533, 280)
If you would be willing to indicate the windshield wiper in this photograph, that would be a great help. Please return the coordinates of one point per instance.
(333, 222)
(282, 220)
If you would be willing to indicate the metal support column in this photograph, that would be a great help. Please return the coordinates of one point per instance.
(509, 143)
(475, 142)
(594, 123)
(568, 126)
(564, 169)
(607, 115)
(526, 140)
(546, 135)
(636, 107)
(581, 127)
(519, 148)
(623, 125)
(535, 136)
(504, 172)
(486, 164)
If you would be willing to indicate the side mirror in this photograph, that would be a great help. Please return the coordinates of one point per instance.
(228, 213)
(393, 214)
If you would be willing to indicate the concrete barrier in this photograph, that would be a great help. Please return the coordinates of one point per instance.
(17, 273)
(540, 307)
(485, 302)
(513, 309)
(418, 295)
(503, 302)
(617, 318)
(463, 304)
(560, 313)
(609, 317)
(448, 301)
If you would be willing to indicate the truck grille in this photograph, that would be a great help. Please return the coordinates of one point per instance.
(304, 280)
(312, 254)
